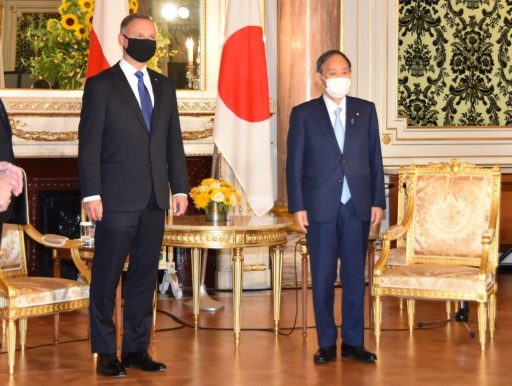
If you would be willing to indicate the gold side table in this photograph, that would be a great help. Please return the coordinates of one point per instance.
(237, 233)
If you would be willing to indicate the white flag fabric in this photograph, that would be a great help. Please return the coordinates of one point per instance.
(242, 116)
(104, 49)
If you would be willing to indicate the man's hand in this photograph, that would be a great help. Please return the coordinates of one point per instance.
(14, 176)
(377, 216)
(301, 219)
(94, 210)
(179, 205)
(5, 193)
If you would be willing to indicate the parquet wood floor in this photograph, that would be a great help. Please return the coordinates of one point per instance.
(439, 356)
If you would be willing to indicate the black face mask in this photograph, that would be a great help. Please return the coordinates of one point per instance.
(140, 49)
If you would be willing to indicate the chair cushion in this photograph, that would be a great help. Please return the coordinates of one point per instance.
(434, 277)
(37, 291)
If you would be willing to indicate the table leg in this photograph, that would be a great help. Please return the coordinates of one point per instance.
(277, 266)
(305, 267)
(238, 261)
(371, 263)
(196, 275)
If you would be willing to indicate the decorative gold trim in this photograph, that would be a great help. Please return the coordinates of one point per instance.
(57, 108)
(254, 267)
(386, 139)
(194, 135)
(43, 135)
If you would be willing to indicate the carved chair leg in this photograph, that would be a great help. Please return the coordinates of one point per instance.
(448, 309)
(56, 319)
(492, 315)
(482, 323)
(377, 314)
(22, 326)
(410, 313)
(11, 344)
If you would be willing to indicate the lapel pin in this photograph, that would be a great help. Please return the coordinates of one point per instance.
(352, 121)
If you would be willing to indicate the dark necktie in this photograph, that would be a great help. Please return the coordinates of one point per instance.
(145, 99)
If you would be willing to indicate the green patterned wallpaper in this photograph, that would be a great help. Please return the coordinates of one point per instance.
(455, 62)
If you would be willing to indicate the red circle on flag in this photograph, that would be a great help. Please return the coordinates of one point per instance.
(243, 84)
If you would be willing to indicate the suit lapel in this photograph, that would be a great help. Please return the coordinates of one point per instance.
(126, 90)
(321, 115)
(351, 121)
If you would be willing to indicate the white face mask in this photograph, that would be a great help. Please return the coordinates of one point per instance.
(338, 87)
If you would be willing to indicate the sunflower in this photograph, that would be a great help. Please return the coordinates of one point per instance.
(69, 21)
(133, 6)
(81, 32)
(63, 7)
(86, 5)
(88, 18)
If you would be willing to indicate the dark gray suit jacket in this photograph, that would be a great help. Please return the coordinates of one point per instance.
(118, 158)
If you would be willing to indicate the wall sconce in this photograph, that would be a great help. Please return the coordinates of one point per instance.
(192, 70)
(170, 12)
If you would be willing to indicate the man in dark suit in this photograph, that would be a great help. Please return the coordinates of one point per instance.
(11, 180)
(335, 182)
(130, 151)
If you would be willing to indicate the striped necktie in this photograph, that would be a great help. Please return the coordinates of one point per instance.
(145, 99)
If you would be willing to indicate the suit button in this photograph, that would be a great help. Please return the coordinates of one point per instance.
(339, 180)
(343, 161)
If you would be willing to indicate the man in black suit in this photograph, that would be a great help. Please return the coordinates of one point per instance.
(11, 180)
(130, 151)
(335, 182)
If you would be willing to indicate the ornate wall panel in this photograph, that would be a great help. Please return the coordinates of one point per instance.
(454, 62)
(456, 56)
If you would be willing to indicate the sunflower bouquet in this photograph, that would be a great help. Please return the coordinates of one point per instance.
(62, 46)
(211, 191)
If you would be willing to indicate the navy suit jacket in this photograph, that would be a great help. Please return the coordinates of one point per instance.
(315, 166)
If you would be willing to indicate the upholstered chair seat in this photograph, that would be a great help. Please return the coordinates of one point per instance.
(38, 291)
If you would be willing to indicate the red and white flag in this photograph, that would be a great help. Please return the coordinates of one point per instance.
(104, 49)
(242, 116)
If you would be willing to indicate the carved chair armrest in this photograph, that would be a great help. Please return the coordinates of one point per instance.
(4, 285)
(487, 238)
(394, 232)
(61, 242)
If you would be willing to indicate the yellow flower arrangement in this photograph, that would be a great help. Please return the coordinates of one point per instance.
(213, 190)
(62, 46)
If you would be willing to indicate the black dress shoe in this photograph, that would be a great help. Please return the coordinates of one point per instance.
(359, 353)
(142, 360)
(109, 366)
(325, 355)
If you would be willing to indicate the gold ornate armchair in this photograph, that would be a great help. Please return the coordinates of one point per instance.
(449, 234)
(22, 296)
